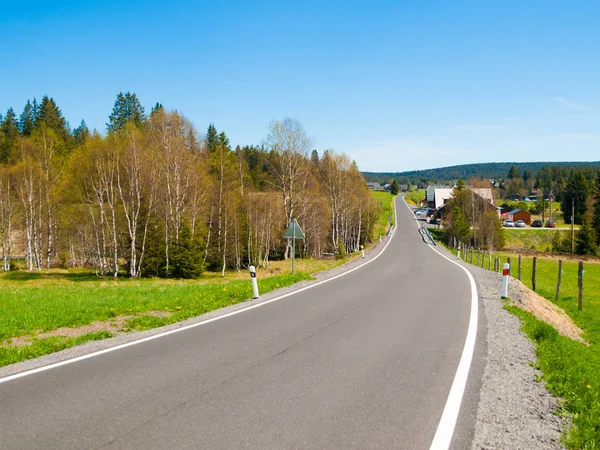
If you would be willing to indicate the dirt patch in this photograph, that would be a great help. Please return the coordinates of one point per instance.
(547, 311)
(114, 325)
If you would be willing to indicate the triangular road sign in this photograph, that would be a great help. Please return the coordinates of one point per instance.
(293, 231)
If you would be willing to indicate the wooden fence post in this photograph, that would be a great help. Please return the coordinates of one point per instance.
(580, 282)
(533, 273)
(559, 278)
(519, 273)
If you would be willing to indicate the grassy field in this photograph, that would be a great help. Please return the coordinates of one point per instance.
(415, 197)
(570, 369)
(385, 202)
(33, 303)
(538, 239)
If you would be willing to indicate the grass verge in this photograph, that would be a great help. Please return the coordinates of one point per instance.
(571, 371)
(385, 200)
(32, 303)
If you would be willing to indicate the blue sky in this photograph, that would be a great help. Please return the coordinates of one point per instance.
(395, 85)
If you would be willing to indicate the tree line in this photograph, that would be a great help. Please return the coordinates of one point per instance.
(447, 175)
(153, 197)
(578, 191)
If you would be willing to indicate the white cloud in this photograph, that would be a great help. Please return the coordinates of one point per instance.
(571, 105)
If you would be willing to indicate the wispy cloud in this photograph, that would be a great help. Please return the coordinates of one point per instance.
(571, 105)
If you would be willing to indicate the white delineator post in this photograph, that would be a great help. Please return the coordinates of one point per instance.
(362, 250)
(254, 282)
(458, 254)
(505, 280)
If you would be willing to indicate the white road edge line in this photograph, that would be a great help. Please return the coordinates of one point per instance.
(187, 327)
(445, 429)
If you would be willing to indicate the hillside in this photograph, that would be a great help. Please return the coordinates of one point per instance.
(485, 170)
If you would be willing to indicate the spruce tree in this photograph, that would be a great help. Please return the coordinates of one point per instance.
(10, 136)
(127, 108)
(585, 238)
(81, 133)
(314, 157)
(185, 258)
(211, 139)
(596, 217)
(27, 120)
(395, 188)
(513, 173)
(51, 116)
(577, 191)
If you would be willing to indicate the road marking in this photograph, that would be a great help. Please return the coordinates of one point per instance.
(194, 325)
(445, 429)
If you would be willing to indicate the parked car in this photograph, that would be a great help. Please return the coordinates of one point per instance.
(537, 224)
(509, 223)
(550, 224)
(520, 224)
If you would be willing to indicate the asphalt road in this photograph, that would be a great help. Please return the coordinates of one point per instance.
(363, 361)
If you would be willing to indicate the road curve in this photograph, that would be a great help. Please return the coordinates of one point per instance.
(363, 361)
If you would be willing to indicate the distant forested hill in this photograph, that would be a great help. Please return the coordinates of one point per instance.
(466, 171)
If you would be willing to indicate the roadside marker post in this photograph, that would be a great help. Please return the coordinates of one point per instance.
(254, 282)
(458, 254)
(505, 273)
(362, 250)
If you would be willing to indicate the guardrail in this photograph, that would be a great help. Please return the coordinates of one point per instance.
(425, 233)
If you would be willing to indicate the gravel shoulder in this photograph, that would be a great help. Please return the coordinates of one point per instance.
(515, 411)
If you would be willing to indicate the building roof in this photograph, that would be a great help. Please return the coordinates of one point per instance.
(485, 193)
(515, 211)
(431, 191)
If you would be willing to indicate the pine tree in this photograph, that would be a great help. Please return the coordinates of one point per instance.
(395, 188)
(27, 120)
(127, 108)
(10, 136)
(585, 238)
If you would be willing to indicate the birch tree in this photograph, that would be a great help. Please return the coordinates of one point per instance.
(289, 145)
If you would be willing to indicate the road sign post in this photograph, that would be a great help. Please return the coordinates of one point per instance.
(293, 232)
